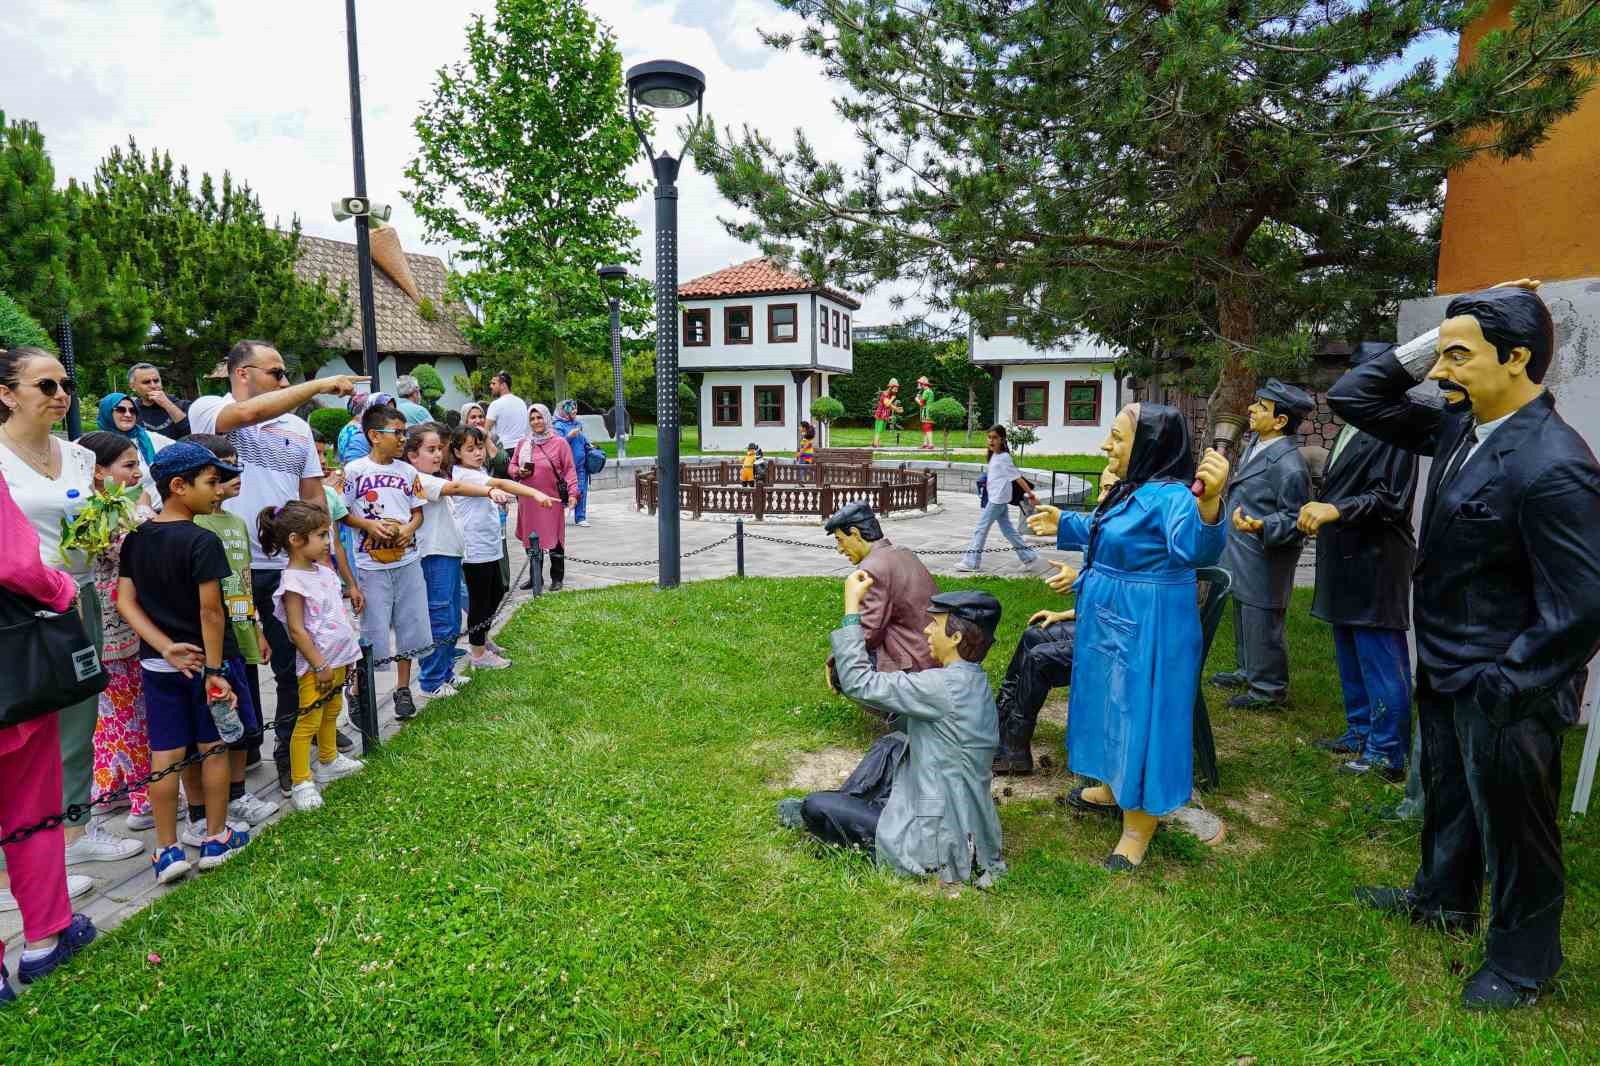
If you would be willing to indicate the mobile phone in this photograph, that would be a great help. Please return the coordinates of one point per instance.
(363, 390)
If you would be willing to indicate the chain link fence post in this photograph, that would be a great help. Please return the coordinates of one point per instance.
(738, 545)
(536, 562)
(366, 709)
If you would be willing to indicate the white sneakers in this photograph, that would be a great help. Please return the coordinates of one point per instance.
(251, 809)
(489, 661)
(341, 766)
(194, 835)
(138, 823)
(447, 689)
(97, 845)
(305, 796)
(77, 885)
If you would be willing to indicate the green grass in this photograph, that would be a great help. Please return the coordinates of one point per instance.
(577, 860)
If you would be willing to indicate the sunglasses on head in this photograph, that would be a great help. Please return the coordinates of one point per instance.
(50, 386)
(276, 371)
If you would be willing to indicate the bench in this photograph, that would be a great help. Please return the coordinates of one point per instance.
(844, 455)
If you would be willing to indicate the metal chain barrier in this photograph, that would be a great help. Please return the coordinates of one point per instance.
(652, 562)
(829, 547)
(76, 810)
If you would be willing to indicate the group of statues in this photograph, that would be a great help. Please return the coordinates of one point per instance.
(1506, 580)
(888, 409)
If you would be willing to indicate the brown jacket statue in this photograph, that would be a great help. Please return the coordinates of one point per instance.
(895, 611)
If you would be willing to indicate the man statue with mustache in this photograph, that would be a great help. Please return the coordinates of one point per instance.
(1507, 614)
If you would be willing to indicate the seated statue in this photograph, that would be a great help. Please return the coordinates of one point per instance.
(938, 817)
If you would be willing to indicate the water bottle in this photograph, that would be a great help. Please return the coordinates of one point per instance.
(229, 728)
(76, 502)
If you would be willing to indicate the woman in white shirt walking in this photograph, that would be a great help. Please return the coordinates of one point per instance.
(1001, 476)
(49, 480)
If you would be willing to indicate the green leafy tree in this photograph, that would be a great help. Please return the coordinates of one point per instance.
(50, 265)
(947, 413)
(215, 270)
(17, 328)
(1018, 437)
(1225, 179)
(525, 152)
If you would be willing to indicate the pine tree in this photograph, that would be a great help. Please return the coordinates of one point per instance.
(525, 151)
(1230, 179)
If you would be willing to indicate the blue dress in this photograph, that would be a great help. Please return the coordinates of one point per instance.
(1136, 663)
(580, 460)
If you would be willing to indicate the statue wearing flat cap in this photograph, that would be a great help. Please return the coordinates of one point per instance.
(1506, 599)
(895, 610)
(1270, 484)
(934, 815)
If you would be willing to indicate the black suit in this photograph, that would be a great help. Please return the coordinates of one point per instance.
(1507, 592)
(1364, 560)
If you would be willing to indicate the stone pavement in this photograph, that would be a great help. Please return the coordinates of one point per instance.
(618, 533)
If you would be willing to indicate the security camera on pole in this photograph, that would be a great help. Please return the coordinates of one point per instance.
(666, 85)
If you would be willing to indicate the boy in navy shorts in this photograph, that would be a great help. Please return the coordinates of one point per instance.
(170, 592)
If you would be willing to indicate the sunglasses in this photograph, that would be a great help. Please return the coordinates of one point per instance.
(396, 432)
(276, 371)
(50, 386)
(125, 409)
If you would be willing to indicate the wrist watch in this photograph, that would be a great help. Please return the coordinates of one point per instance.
(215, 671)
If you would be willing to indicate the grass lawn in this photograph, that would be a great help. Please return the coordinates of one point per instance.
(577, 860)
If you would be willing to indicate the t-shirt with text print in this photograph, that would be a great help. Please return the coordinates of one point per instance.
(375, 491)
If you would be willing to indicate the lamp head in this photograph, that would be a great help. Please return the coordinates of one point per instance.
(664, 84)
(612, 272)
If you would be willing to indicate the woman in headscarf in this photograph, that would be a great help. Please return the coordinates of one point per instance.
(118, 414)
(568, 426)
(1136, 661)
(352, 443)
(496, 460)
(543, 460)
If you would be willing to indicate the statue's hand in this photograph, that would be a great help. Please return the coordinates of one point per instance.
(1244, 523)
(1212, 474)
(1531, 284)
(1061, 581)
(1045, 521)
(1314, 515)
(1046, 618)
(855, 591)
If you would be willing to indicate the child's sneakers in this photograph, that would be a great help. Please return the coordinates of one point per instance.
(6, 994)
(305, 796)
(404, 706)
(138, 822)
(444, 690)
(489, 661)
(71, 940)
(251, 809)
(195, 835)
(213, 853)
(171, 863)
(341, 766)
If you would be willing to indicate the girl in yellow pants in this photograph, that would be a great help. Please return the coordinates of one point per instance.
(309, 604)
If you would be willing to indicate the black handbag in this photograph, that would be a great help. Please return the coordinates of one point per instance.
(555, 472)
(1019, 495)
(52, 663)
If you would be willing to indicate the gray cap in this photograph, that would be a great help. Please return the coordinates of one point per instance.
(858, 515)
(1286, 399)
(969, 605)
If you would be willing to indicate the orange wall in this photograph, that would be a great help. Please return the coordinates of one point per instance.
(1532, 217)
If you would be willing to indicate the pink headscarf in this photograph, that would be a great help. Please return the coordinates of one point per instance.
(542, 409)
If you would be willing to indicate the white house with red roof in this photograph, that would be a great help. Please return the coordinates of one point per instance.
(766, 342)
(1069, 394)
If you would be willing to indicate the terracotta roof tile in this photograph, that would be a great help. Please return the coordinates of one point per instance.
(757, 277)
(401, 327)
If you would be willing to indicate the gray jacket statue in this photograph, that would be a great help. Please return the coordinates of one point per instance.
(940, 818)
(1271, 485)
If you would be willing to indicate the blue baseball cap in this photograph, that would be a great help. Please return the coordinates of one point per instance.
(186, 457)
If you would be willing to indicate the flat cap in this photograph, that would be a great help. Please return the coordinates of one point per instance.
(1286, 399)
(979, 608)
(185, 457)
(854, 515)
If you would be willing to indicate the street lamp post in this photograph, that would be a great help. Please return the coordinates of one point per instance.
(619, 414)
(369, 319)
(666, 85)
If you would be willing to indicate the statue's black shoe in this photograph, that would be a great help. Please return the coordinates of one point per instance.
(1488, 990)
(1016, 764)
(1403, 902)
(1228, 679)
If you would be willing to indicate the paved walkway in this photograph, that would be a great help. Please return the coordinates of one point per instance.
(617, 533)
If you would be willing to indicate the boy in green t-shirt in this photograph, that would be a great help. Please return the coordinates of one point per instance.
(240, 602)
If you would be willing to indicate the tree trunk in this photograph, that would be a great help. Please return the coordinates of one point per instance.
(558, 368)
(1236, 383)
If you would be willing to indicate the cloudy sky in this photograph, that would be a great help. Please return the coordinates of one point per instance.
(260, 89)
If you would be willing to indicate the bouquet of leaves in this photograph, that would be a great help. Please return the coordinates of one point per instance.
(110, 510)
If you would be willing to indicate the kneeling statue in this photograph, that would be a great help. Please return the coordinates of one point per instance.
(935, 813)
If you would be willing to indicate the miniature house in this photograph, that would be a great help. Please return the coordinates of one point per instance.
(1068, 395)
(765, 342)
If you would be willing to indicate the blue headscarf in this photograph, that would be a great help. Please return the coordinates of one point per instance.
(141, 439)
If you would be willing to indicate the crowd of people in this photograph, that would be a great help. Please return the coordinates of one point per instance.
(227, 549)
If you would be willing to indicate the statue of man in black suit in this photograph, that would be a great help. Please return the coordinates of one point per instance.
(1365, 553)
(1507, 597)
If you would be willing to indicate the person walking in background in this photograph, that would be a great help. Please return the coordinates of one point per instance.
(352, 443)
(156, 411)
(568, 426)
(30, 784)
(807, 453)
(408, 400)
(1000, 479)
(508, 414)
(281, 463)
(51, 480)
(544, 462)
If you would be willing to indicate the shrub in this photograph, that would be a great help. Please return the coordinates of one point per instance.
(432, 384)
(947, 413)
(1019, 437)
(427, 311)
(826, 409)
(18, 329)
(326, 422)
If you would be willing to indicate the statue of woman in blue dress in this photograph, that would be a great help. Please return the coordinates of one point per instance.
(1137, 659)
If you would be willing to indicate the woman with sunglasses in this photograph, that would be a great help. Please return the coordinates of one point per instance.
(119, 414)
(49, 479)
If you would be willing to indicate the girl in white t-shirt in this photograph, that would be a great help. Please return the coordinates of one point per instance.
(483, 528)
(442, 545)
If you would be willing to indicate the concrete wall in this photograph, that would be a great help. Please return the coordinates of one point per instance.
(448, 367)
(762, 351)
(1054, 435)
(1015, 349)
(776, 438)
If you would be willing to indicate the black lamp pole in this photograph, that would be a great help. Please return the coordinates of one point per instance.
(664, 84)
(369, 321)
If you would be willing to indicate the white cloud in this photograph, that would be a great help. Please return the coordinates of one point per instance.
(261, 90)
